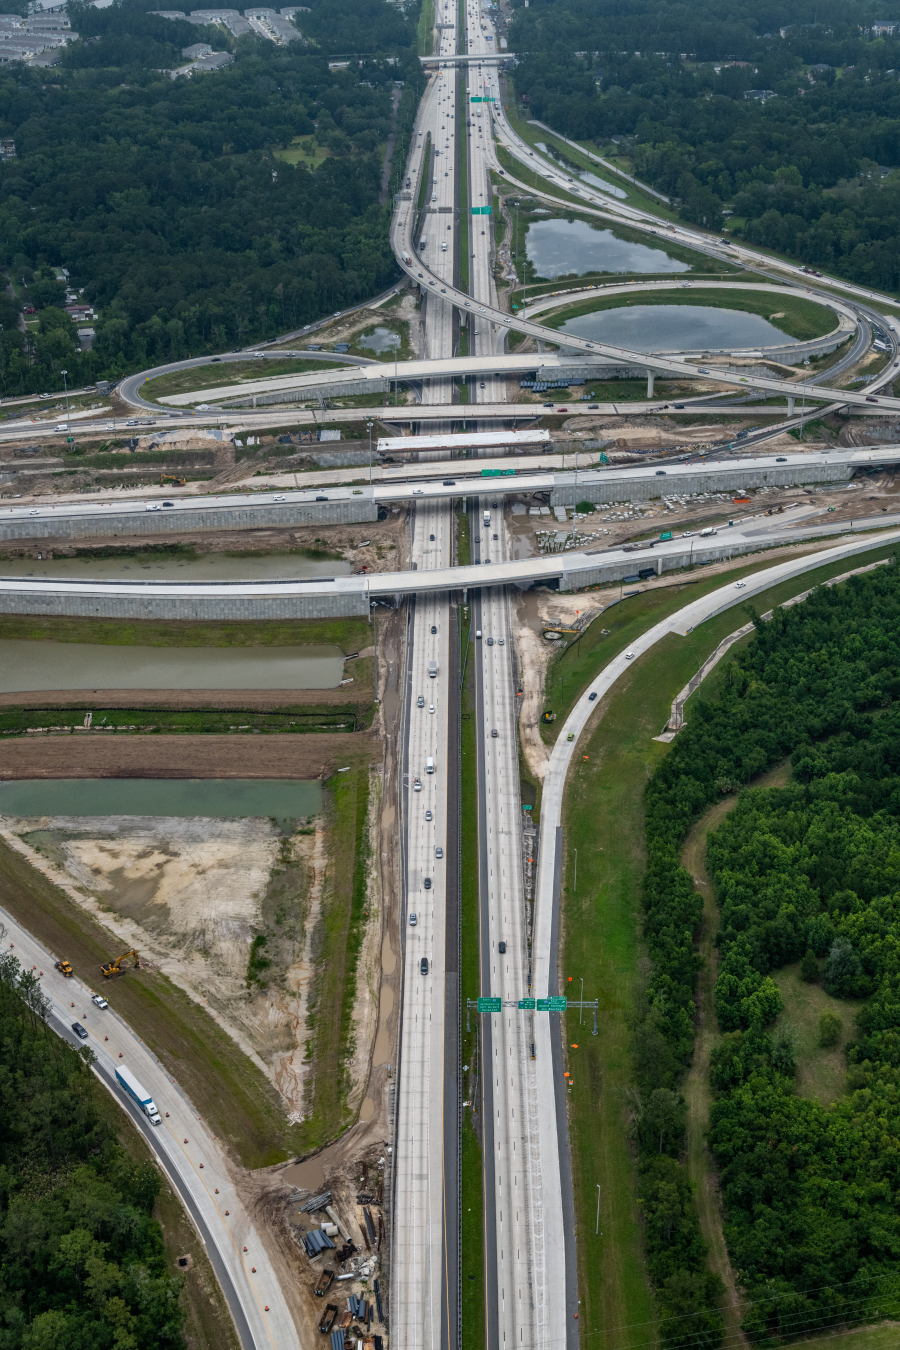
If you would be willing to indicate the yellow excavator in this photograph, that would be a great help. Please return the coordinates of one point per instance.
(64, 967)
(171, 478)
(116, 968)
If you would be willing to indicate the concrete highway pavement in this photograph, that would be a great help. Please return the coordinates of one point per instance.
(518, 1302)
(574, 568)
(461, 480)
(183, 1144)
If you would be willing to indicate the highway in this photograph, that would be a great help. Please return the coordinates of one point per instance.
(190, 1155)
(424, 1254)
(420, 1292)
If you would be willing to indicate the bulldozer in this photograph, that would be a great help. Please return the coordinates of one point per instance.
(172, 478)
(64, 968)
(116, 968)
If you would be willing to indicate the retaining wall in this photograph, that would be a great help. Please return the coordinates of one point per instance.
(719, 479)
(703, 552)
(136, 606)
(349, 511)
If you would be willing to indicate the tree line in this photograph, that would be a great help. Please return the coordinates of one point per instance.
(82, 1256)
(165, 199)
(803, 172)
(810, 871)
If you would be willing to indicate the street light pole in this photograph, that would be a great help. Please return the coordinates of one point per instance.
(581, 1005)
(64, 373)
(369, 425)
(575, 878)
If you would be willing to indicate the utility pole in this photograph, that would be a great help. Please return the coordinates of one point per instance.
(369, 425)
(64, 373)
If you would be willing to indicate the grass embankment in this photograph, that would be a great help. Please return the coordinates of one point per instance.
(336, 952)
(317, 718)
(348, 634)
(604, 821)
(229, 1092)
(797, 317)
(208, 1325)
(425, 28)
(472, 1179)
(211, 376)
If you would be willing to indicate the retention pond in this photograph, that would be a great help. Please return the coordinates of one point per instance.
(283, 800)
(37, 666)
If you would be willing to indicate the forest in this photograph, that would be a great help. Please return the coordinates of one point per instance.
(163, 198)
(813, 171)
(83, 1265)
(807, 873)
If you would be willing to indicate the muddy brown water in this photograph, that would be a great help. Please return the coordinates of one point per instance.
(33, 666)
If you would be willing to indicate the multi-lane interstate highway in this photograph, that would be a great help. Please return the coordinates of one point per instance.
(529, 1270)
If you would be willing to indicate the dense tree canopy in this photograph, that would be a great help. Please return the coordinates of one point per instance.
(165, 201)
(82, 1260)
(814, 867)
(803, 172)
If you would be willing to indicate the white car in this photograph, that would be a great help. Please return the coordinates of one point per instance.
(61, 426)
(418, 492)
(99, 1000)
(279, 497)
(34, 512)
(739, 585)
(431, 705)
(152, 506)
(629, 656)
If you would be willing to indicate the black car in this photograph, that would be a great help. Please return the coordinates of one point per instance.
(592, 696)
(431, 537)
(434, 628)
(423, 965)
(427, 883)
(80, 1031)
(321, 499)
(449, 482)
(501, 947)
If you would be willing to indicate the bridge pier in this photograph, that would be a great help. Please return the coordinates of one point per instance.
(649, 383)
(790, 405)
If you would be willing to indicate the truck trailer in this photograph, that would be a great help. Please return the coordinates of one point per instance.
(138, 1094)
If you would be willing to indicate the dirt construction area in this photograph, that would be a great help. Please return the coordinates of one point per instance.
(161, 756)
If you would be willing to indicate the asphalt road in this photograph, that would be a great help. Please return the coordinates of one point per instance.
(183, 1144)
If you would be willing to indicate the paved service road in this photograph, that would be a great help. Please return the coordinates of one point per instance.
(183, 1144)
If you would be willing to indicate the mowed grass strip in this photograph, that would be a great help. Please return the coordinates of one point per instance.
(228, 1090)
(798, 317)
(336, 946)
(227, 372)
(350, 635)
(600, 930)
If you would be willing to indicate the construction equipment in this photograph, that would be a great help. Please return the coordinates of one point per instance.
(172, 478)
(65, 968)
(116, 968)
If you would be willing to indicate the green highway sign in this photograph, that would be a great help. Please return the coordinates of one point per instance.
(481, 210)
(551, 1005)
(489, 1005)
(526, 1004)
(667, 534)
(542, 1005)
